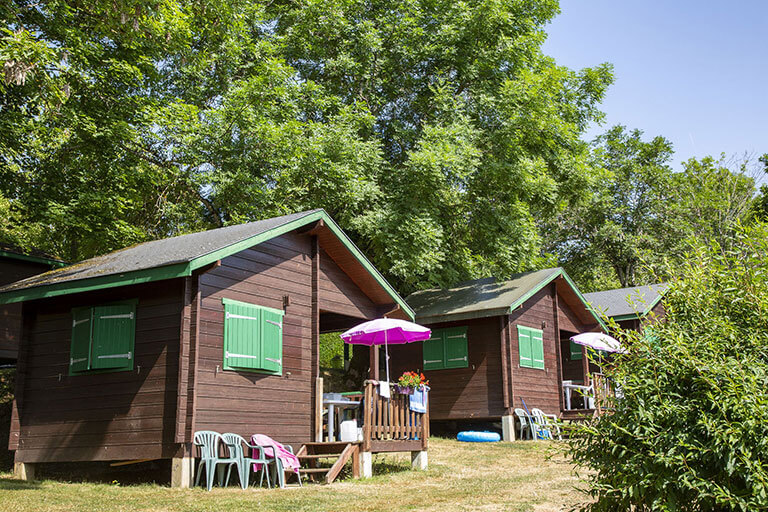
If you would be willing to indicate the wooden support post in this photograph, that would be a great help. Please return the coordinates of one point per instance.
(505, 373)
(317, 396)
(318, 421)
(419, 460)
(24, 471)
(558, 347)
(374, 363)
(356, 462)
(182, 470)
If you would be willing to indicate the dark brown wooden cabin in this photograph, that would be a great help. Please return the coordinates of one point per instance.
(497, 343)
(14, 266)
(631, 308)
(123, 356)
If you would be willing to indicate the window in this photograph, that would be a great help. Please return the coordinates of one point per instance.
(576, 352)
(531, 344)
(253, 337)
(447, 348)
(103, 338)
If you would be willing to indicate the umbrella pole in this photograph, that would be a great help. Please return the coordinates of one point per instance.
(386, 354)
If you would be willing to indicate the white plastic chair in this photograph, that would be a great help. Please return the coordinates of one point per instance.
(545, 425)
(525, 428)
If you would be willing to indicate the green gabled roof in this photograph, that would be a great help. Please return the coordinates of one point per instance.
(178, 257)
(14, 254)
(487, 297)
(627, 303)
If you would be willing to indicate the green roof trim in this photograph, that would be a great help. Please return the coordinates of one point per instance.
(96, 283)
(33, 259)
(186, 268)
(544, 282)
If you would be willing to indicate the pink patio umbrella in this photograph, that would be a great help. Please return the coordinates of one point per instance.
(599, 341)
(384, 331)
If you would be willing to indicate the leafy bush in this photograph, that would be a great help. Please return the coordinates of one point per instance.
(691, 432)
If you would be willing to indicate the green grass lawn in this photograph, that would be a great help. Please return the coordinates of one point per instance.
(492, 476)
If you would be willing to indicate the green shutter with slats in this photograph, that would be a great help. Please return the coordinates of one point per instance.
(432, 350)
(576, 353)
(242, 335)
(113, 336)
(272, 340)
(537, 348)
(455, 347)
(253, 337)
(524, 346)
(531, 346)
(80, 348)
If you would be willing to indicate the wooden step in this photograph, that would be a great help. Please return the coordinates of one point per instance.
(311, 452)
(314, 470)
(320, 456)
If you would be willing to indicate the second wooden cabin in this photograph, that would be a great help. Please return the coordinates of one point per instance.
(496, 344)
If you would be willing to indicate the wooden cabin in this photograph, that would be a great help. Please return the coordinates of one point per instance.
(496, 344)
(15, 265)
(631, 308)
(126, 355)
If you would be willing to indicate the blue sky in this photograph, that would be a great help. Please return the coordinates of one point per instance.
(695, 72)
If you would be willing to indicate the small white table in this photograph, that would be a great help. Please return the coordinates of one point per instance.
(586, 392)
(332, 405)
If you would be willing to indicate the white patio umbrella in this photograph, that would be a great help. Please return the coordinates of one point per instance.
(599, 341)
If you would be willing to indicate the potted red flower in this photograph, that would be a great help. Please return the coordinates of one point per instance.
(409, 381)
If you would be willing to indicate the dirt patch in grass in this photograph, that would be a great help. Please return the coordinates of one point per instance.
(523, 476)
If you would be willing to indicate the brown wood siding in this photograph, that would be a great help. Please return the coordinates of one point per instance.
(539, 388)
(474, 392)
(109, 416)
(246, 403)
(339, 294)
(10, 314)
(10, 330)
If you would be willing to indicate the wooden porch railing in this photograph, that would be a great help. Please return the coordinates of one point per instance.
(604, 393)
(390, 425)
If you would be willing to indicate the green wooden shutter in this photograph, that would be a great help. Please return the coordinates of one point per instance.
(80, 349)
(537, 348)
(433, 352)
(242, 335)
(576, 352)
(524, 346)
(113, 336)
(455, 347)
(272, 340)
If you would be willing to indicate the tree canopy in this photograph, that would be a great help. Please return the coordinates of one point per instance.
(639, 217)
(437, 133)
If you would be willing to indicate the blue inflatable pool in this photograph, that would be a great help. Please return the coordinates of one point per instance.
(471, 436)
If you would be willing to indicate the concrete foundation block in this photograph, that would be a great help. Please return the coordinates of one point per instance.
(419, 460)
(366, 464)
(508, 428)
(182, 472)
(24, 471)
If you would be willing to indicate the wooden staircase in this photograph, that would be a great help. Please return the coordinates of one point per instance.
(311, 453)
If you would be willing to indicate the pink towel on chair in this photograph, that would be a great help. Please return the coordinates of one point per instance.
(289, 460)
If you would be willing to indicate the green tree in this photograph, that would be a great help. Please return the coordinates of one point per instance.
(759, 206)
(618, 227)
(691, 431)
(707, 201)
(437, 133)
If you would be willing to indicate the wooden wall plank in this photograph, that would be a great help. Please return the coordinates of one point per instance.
(93, 416)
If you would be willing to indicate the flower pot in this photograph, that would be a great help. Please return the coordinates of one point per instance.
(404, 390)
